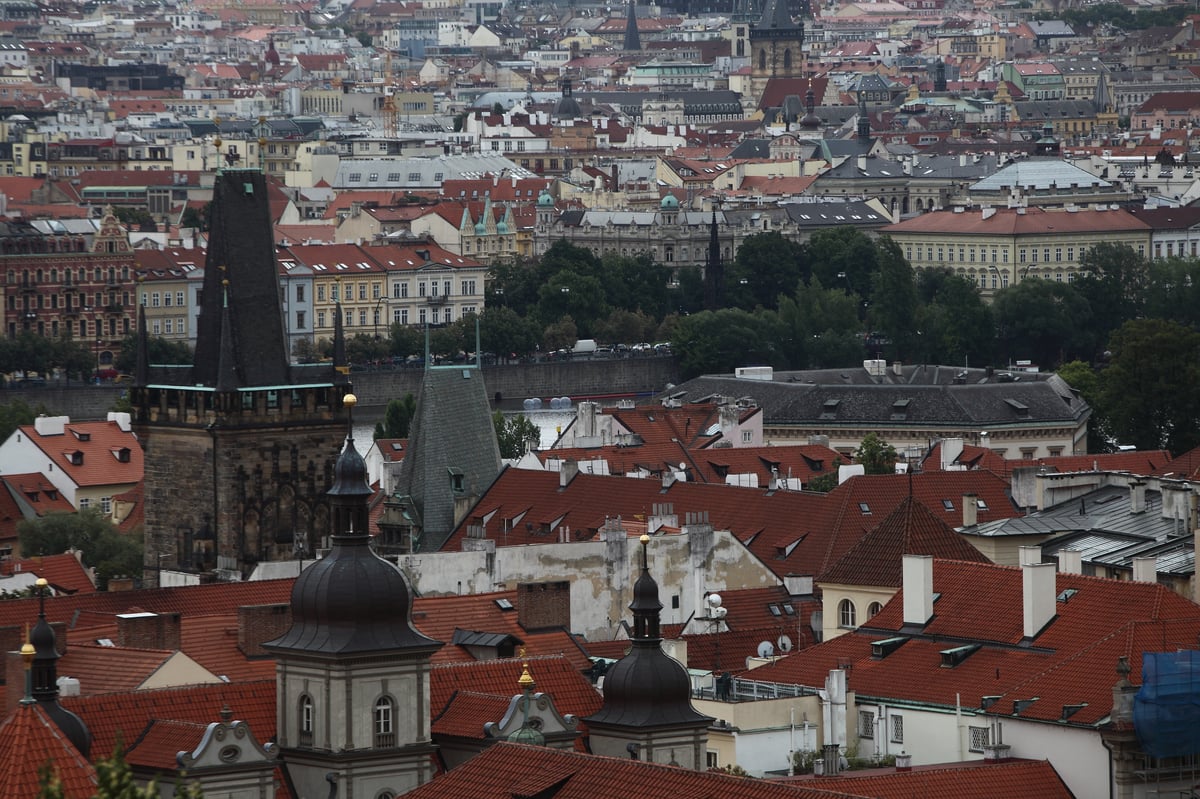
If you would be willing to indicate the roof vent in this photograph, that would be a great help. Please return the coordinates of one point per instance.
(881, 649)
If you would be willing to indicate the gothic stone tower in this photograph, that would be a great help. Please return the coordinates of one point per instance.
(240, 445)
(776, 47)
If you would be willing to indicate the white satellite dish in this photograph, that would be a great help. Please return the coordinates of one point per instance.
(785, 643)
(766, 649)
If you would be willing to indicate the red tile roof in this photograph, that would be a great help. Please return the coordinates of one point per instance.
(1008, 222)
(466, 713)
(29, 739)
(64, 572)
(123, 716)
(99, 443)
(1009, 779)
(161, 741)
(104, 669)
(1072, 660)
(553, 674)
(911, 529)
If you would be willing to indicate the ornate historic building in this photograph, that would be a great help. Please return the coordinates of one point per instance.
(776, 47)
(239, 444)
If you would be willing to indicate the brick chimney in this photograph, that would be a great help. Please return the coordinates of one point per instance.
(1070, 561)
(148, 630)
(258, 623)
(544, 605)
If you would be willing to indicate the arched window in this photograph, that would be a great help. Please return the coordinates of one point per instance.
(873, 608)
(762, 59)
(385, 734)
(787, 58)
(306, 720)
(847, 617)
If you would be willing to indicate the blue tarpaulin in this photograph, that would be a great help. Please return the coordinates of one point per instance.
(1166, 710)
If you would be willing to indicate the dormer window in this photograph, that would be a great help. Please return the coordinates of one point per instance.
(121, 454)
(75, 457)
(457, 480)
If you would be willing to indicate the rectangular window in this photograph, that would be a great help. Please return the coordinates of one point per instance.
(166, 299)
(376, 290)
(168, 326)
(421, 316)
(404, 316)
(414, 177)
(321, 293)
(106, 505)
(362, 291)
(155, 299)
(1021, 256)
(320, 319)
(977, 738)
(421, 289)
(84, 503)
(300, 320)
(362, 318)
(468, 288)
(747, 436)
(155, 328)
(300, 293)
(866, 724)
(897, 729)
(1058, 253)
(446, 288)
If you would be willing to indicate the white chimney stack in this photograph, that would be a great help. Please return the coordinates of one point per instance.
(1137, 497)
(1038, 592)
(1030, 556)
(970, 509)
(1070, 561)
(918, 589)
(1145, 570)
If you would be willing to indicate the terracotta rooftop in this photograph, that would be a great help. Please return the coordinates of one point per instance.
(1072, 660)
(1010, 779)
(28, 739)
(64, 572)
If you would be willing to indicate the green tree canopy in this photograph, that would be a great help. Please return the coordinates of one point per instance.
(954, 324)
(1042, 320)
(1148, 390)
(767, 266)
(515, 434)
(397, 419)
(719, 341)
(893, 310)
(110, 552)
(876, 455)
(161, 350)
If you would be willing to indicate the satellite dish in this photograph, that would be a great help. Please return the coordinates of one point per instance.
(785, 643)
(766, 649)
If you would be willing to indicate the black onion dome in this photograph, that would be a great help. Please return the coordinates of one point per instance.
(350, 474)
(647, 688)
(351, 601)
(43, 639)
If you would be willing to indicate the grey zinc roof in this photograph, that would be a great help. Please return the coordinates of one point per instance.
(412, 173)
(834, 213)
(790, 398)
(1039, 174)
(943, 167)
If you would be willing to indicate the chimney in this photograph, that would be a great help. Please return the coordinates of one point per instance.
(1070, 561)
(898, 368)
(542, 606)
(120, 584)
(903, 761)
(1137, 497)
(1030, 555)
(567, 472)
(833, 761)
(258, 623)
(970, 510)
(148, 630)
(918, 590)
(1145, 570)
(1038, 584)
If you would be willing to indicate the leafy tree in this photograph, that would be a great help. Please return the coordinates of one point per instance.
(824, 483)
(687, 294)
(505, 332)
(893, 310)
(623, 326)
(16, 413)
(110, 552)
(1042, 320)
(845, 258)
(196, 219)
(819, 327)
(72, 356)
(515, 434)
(1084, 379)
(161, 350)
(1172, 291)
(407, 340)
(954, 324)
(139, 217)
(719, 341)
(876, 455)
(305, 351)
(362, 348)
(1148, 390)
(767, 266)
(397, 419)
(445, 341)
(572, 294)
(1112, 281)
(560, 335)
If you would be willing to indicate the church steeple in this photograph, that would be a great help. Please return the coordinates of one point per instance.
(647, 710)
(714, 269)
(44, 677)
(633, 41)
(864, 118)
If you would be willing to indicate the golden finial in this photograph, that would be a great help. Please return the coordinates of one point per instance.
(526, 680)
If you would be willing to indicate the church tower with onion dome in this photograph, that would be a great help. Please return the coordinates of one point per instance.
(647, 712)
(352, 672)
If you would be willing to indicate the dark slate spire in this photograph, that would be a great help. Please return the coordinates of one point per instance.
(44, 678)
(341, 367)
(939, 76)
(633, 41)
(714, 270)
(864, 118)
(777, 15)
(351, 602)
(646, 688)
(227, 376)
(241, 240)
(141, 369)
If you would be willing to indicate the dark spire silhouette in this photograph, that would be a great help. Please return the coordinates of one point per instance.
(44, 678)
(141, 369)
(633, 41)
(714, 269)
(341, 366)
(227, 377)
(864, 118)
